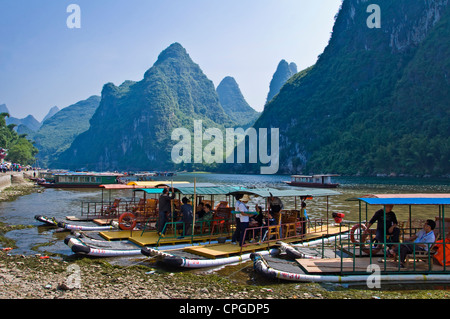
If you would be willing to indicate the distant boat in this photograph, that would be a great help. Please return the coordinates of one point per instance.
(319, 181)
(80, 180)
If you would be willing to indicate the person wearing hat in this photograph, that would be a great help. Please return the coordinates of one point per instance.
(242, 219)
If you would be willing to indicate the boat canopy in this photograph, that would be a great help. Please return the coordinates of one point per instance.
(153, 183)
(117, 186)
(436, 195)
(215, 190)
(315, 175)
(150, 190)
(407, 200)
(268, 192)
(199, 189)
(177, 185)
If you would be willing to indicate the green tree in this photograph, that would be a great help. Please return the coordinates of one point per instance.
(20, 150)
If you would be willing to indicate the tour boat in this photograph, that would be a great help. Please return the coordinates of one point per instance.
(320, 181)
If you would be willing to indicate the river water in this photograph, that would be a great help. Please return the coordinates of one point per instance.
(60, 203)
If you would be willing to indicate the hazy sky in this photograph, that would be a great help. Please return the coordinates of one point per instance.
(44, 63)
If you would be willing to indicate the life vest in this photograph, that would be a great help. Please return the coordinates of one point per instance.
(439, 256)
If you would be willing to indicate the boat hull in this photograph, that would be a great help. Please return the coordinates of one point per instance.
(84, 227)
(61, 185)
(99, 248)
(261, 266)
(46, 220)
(184, 262)
(313, 185)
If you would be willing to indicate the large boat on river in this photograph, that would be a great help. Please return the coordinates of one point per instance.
(80, 179)
(317, 181)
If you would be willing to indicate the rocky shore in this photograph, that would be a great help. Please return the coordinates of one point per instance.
(39, 277)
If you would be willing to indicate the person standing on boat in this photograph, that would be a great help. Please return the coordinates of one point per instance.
(244, 217)
(391, 225)
(237, 232)
(165, 205)
(276, 205)
(303, 218)
(187, 216)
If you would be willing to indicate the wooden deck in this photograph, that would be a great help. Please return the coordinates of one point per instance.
(214, 251)
(333, 265)
(150, 238)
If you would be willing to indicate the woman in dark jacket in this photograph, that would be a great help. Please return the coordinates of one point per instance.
(165, 207)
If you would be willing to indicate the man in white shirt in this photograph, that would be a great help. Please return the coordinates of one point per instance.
(422, 241)
(244, 218)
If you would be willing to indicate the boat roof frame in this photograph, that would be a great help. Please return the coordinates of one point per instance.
(406, 199)
(274, 192)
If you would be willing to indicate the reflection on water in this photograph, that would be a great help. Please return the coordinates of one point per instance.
(60, 203)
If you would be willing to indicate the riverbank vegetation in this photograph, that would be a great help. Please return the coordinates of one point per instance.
(20, 150)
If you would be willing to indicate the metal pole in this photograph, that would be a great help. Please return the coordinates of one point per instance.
(385, 233)
(443, 234)
(327, 217)
(194, 211)
(410, 222)
(171, 205)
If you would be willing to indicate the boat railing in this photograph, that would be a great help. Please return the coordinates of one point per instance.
(175, 227)
(109, 209)
(268, 234)
(379, 257)
(206, 229)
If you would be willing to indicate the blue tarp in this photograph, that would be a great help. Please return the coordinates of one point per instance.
(407, 201)
(151, 190)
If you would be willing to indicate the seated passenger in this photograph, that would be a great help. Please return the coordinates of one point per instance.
(422, 241)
